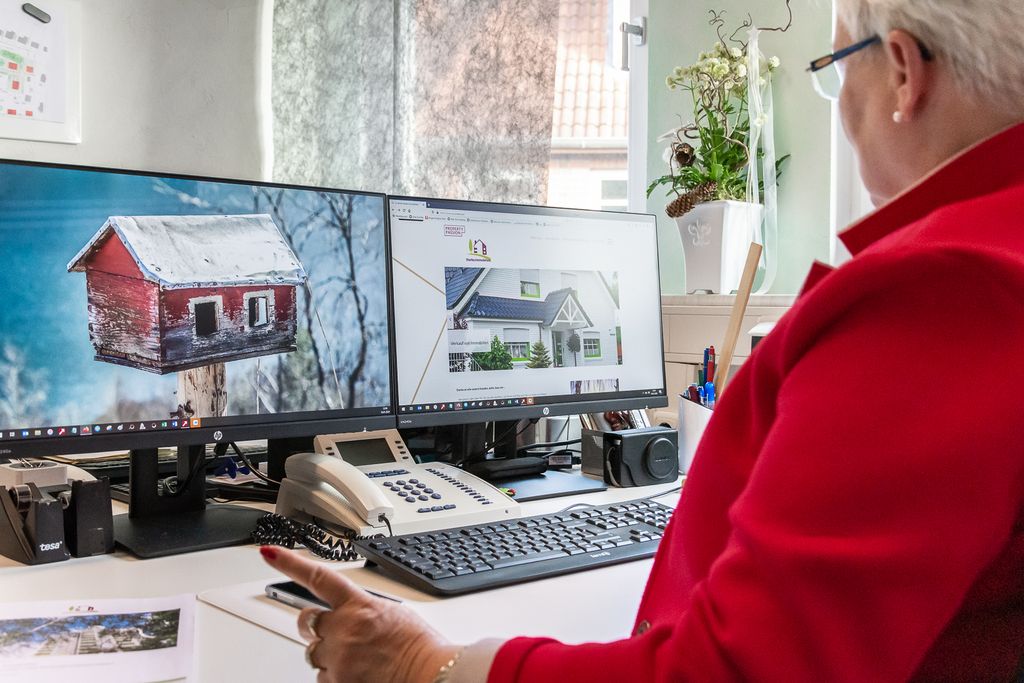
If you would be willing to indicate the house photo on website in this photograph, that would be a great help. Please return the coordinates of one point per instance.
(511, 318)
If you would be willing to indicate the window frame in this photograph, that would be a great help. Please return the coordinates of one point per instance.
(516, 358)
(524, 293)
(218, 314)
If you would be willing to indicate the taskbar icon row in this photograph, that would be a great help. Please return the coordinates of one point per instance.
(466, 405)
(105, 428)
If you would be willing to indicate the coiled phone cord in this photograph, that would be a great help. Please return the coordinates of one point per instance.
(274, 529)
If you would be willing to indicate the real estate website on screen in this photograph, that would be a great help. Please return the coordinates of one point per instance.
(499, 306)
(135, 302)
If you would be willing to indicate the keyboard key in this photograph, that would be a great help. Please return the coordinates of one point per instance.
(526, 559)
(437, 573)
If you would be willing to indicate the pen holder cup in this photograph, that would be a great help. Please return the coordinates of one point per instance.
(693, 418)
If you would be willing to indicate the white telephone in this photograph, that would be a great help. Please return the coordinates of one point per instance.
(367, 481)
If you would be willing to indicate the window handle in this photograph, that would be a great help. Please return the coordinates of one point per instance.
(639, 33)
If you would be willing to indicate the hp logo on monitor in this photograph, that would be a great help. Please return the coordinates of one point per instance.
(218, 435)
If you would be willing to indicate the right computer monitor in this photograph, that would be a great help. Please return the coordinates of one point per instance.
(509, 311)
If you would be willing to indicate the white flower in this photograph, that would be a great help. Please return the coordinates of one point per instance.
(666, 156)
(736, 52)
(773, 62)
(741, 71)
(729, 84)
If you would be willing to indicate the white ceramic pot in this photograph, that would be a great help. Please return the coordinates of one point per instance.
(716, 237)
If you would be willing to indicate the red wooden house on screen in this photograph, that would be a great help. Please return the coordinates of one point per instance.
(169, 293)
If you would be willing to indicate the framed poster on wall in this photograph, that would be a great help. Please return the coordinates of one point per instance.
(40, 70)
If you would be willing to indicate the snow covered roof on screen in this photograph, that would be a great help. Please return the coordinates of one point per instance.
(201, 251)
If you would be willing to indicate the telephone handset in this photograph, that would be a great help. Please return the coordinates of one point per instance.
(368, 482)
(323, 477)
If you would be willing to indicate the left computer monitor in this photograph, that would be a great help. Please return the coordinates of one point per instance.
(144, 310)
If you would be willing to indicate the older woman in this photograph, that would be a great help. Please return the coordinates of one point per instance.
(856, 508)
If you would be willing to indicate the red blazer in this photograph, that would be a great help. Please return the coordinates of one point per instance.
(854, 510)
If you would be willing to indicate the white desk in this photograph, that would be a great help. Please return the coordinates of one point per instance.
(594, 605)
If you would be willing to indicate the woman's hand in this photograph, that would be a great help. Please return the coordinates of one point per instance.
(362, 637)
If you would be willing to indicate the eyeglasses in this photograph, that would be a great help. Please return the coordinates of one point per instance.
(825, 73)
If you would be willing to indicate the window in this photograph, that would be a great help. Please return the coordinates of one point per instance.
(517, 342)
(591, 347)
(206, 318)
(614, 195)
(518, 350)
(529, 283)
(258, 308)
(590, 120)
(552, 73)
(258, 311)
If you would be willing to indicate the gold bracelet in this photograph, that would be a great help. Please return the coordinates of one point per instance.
(442, 674)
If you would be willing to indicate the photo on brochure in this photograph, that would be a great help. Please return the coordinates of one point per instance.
(523, 319)
(88, 634)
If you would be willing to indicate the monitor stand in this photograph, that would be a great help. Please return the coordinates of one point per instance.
(506, 468)
(159, 525)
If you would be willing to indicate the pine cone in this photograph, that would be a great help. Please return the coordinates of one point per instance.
(684, 202)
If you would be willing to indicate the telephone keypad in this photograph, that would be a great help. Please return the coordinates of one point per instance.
(425, 494)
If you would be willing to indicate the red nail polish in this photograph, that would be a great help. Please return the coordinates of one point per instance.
(268, 553)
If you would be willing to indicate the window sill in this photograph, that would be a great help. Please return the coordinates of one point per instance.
(696, 321)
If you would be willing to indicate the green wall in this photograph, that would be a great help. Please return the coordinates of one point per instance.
(678, 32)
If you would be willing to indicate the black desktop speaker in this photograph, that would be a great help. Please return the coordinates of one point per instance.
(632, 457)
(88, 519)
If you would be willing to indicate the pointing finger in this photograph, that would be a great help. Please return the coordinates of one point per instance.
(331, 587)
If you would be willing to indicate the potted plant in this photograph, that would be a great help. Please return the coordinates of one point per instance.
(710, 161)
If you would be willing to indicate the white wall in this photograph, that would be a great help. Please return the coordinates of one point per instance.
(168, 85)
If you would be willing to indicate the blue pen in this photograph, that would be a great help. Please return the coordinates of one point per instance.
(707, 357)
(701, 396)
(709, 392)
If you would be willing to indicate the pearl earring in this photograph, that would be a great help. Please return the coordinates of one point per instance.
(897, 117)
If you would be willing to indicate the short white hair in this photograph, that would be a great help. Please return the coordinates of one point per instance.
(980, 39)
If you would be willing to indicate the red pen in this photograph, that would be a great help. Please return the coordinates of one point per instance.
(711, 366)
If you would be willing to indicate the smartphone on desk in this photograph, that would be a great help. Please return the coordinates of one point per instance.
(291, 593)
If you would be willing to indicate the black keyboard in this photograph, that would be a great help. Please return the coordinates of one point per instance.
(483, 556)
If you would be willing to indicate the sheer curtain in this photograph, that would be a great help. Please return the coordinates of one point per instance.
(448, 98)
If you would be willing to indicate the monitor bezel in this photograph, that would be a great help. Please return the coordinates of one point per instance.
(538, 410)
(279, 425)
